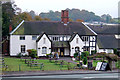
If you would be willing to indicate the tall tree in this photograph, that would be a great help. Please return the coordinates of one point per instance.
(8, 13)
(21, 16)
(32, 14)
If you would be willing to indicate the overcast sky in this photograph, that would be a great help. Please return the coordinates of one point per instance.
(99, 7)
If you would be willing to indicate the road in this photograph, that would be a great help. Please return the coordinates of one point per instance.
(105, 76)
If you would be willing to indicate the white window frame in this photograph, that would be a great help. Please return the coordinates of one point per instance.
(44, 50)
(23, 48)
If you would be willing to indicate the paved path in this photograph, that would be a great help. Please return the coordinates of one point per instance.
(68, 59)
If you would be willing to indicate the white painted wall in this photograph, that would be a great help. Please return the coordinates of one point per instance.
(106, 50)
(66, 51)
(15, 44)
(73, 44)
(40, 44)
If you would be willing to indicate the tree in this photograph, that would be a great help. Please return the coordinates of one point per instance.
(21, 16)
(70, 20)
(79, 20)
(38, 18)
(8, 13)
(32, 14)
(46, 19)
(106, 18)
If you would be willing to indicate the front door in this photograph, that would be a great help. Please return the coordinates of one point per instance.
(62, 52)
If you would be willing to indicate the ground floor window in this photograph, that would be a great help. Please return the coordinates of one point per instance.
(44, 50)
(86, 48)
(22, 48)
(77, 49)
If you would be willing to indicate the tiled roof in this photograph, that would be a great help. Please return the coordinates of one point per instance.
(105, 29)
(107, 41)
(38, 27)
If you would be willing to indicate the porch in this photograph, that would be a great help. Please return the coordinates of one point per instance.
(61, 47)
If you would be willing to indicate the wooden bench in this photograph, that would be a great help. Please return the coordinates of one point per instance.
(36, 64)
(50, 59)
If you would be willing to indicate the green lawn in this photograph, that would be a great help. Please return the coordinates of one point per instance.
(14, 64)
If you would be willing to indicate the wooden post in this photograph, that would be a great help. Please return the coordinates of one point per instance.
(19, 67)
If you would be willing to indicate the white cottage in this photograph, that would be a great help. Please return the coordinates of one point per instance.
(63, 37)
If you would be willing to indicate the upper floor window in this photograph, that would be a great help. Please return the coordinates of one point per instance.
(34, 37)
(44, 40)
(22, 37)
(77, 40)
(85, 38)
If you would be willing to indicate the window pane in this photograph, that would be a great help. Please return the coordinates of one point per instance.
(23, 48)
(44, 50)
(22, 37)
(34, 37)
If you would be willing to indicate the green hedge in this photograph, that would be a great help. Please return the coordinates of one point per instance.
(32, 53)
(84, 54)
(75, 55)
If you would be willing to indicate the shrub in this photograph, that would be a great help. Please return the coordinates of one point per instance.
(32, 53)
(48, 55)
(19, 55)
(84, 54)
(115, 51)
(75, 55)
(25, 55)
(117, 64)
(93, 52)
(85, 60)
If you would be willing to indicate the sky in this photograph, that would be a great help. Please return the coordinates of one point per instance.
(99, 7)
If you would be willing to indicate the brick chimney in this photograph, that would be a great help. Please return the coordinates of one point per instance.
(64, 16)
(10, 28)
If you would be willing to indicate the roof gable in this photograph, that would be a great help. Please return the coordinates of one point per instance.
(73, 36)
(41, 37)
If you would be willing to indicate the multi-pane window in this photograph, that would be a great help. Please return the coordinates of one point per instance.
(85, 38)
(34, 37)
(22, 37)
(22, 48)
(44, 50)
